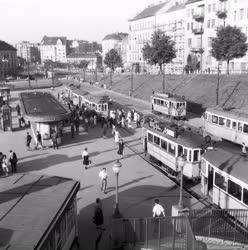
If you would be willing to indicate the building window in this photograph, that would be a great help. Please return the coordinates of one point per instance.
(234, 189)
(213, 23)
(192, 26)
(192, 12)
(188, 26)
(209, 8)
(220, 181)
(210, 41)
(235, 15)
(241, 14)
(189, 42)
(188, 12)
(214, 7)
(208, 24)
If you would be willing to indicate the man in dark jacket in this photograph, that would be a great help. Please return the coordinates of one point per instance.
(98, 219)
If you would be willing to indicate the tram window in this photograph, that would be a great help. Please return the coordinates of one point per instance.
(150, 137)
(240, 127)
(234, 125)
(245, 128)
(196, 155)
(156, 140)
(171, 148)
(185, 153)
(234, 189)
(245, 196)
(209, 117)
(163, 144)
(215, 119)
(221, 121)
(162, 103)
(228, 123)
(180, 150)
(220, 181)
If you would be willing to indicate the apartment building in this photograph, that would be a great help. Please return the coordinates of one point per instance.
(117, 41)
(203, 18)
(53, 48)
(28, 51)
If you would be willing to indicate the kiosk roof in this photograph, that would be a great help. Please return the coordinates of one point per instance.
(42, 107)
(28, 205)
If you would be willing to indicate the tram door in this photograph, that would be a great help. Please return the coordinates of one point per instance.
(210, 180)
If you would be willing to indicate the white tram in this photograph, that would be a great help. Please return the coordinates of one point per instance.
(167, 143)
(224, 177)
(169, 105)
(229, 125)
(99, 103)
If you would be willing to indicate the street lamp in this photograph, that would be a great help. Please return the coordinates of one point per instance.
(4, 60)
(181, 163)
(116, 169)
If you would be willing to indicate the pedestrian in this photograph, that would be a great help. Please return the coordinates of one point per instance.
(28, 140)
(85, 157)
(103, 176)
(5, 165)
(113, 129)
(39, 140)
(72, 130)
(95, 120)
(55, 140)
(18, 110)
(117, 136)
(86, 124)
(98, 218)
(91, 121)
(120, 148)
(13, 161)
(77, 123)
(105, 128)
(123, 121)
(157, 210)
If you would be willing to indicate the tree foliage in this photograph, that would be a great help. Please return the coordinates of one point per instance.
(113, 59)
(160, 51)
(193, 64)
(229, 43)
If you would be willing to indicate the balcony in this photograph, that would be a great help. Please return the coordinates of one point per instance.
(198, 31)
(221, 14)
(199, 17)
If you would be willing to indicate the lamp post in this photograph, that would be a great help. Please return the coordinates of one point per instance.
(4, 60)
(181, 163)
(116, 169)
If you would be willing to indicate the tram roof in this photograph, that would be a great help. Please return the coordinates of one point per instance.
(42, 107)
(99, 99)
(169, 97)
(234, 113)
(233, 163)
(28, 206)
(184, 138)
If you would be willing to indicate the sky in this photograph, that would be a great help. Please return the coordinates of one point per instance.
(30, 20)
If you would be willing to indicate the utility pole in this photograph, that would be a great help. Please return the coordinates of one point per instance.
(29, 84)
(131, 79)
(163, 83)
(218, 85)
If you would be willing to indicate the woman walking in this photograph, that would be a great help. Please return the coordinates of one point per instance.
(85, 157)
(120, 148)
(5, 165)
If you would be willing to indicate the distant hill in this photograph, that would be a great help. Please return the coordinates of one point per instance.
(200, 89)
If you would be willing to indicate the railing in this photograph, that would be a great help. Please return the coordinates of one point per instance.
(226, 224)
(166, 233)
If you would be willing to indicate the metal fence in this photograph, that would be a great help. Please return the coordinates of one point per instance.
(226, 224)
(166, 233)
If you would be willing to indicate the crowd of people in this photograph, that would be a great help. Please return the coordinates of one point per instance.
(8, 163)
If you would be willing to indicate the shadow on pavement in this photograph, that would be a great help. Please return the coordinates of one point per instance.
(135, 202)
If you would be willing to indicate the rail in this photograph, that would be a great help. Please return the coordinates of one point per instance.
(165, 233)
(226, 224)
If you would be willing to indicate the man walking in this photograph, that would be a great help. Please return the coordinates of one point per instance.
(55, 140)
(13, 161)
(85, 157)
(157, 210)
(28, 140)
(39, 140)
(103, 176)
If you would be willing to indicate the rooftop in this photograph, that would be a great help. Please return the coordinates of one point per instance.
(115, 36)
(42, 107)
(151, 10)
(193, 1)
(52, 40)
(229, 160)
(6, 47)
(28, 205)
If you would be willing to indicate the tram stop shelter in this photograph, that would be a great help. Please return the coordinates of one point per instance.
(45, 113)
(38, 212)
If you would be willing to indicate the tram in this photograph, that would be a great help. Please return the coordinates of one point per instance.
(98, 103)
(225, 124)
(167, 141)
(169, 105)
(224, 177)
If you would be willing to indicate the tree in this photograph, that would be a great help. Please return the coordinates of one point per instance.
(161, 51)
(229, 43)
(193, 64)
(112, 60)
(83, 65)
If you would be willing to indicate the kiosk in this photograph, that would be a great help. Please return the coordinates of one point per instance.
(45, 113)
(6, 117)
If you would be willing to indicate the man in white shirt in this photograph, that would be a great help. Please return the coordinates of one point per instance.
(157, 210)
(103, 175)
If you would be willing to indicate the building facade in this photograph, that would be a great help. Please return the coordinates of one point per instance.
(117, 41)
(83, 46)
(28, 51)
(8, 59)
(192, 24)
(54, 49)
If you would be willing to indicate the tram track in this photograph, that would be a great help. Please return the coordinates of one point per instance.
(205, 202)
